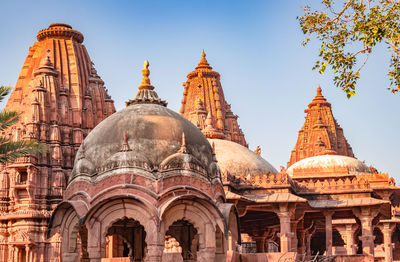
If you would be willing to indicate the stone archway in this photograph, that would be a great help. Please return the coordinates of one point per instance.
(104, 216)
(125, 239)
(205, 219)
(186, 235)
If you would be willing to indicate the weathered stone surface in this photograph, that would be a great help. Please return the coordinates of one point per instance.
(60, 98)
(236, 160)
(146, 182)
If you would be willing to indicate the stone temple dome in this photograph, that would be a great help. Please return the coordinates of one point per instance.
(145, 137)
(339, 164)
(142, 176)
(236, 160)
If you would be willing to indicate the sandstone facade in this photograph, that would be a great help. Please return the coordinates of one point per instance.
(60, 98)
(149, 184)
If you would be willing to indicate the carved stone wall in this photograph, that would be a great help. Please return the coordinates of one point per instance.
(60, 98)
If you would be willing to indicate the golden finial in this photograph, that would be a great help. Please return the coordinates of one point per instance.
(203, 54)
(146, 93)
(146, 73)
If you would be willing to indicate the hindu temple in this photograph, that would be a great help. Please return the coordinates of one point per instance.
(147, 183)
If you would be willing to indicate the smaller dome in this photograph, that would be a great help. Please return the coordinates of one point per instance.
(237, 160)
(333, 164)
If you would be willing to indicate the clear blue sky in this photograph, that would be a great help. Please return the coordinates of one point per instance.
(255, 45)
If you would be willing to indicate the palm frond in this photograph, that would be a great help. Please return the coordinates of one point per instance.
(11, 150)
(4, 91)
(8, 118)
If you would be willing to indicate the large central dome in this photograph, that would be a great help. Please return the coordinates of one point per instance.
(147, 138)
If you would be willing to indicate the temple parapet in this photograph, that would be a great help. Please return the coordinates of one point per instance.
(332, 185)
(269, 180)
(379, 179)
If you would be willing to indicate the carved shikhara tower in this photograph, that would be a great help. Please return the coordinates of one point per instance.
(204, 104)
(320, 134)
(60, 98)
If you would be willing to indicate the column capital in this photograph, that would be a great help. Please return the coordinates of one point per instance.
(328, 213)
(365, 239)
(365, 213)
(285, 209)
(387, 227)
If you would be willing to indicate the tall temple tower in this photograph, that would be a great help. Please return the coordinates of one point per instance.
(204, 104)
(320, 134)
(60, 98)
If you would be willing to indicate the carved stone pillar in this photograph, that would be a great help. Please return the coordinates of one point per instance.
(260, 243)
(293, 240)
(346, 229)
(387, 230)
(94, 242)
(302, 235)
(328, 232)
(285, 211)
(308, 235)
(16, 254)
(366, 215)
(27, 253)
(154, 253)
(41, 251)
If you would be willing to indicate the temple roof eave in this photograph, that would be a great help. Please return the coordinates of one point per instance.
(267, 198)
(356, 202)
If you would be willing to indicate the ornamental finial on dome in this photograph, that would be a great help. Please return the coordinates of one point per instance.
(146, 80)
(183, 148)
(146, 93)
(203, 64)
(125, 145)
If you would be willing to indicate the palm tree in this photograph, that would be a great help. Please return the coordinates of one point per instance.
(11, 150)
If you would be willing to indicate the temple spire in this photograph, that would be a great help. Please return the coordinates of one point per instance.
(146, 93)
(320, 134)
(202, 95)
